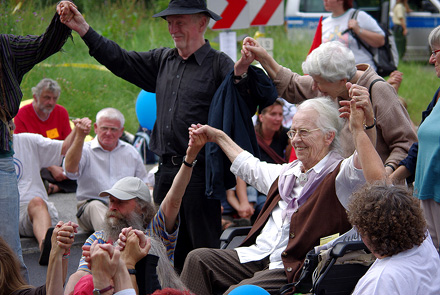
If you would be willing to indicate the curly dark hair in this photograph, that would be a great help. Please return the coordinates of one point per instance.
(388, 216)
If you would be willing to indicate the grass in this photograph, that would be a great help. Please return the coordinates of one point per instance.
(86, 88)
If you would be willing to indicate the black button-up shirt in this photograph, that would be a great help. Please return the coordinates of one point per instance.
(184, 88)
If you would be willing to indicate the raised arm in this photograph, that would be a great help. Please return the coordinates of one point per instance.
(72, 18)
(62, 239)
(229, 147)
(251, 47)
(171, 204)
(73, 155)
(366, 157)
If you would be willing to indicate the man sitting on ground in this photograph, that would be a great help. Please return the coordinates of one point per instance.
(99, 164)
(32, 153)
(131, 206)
(44, 116)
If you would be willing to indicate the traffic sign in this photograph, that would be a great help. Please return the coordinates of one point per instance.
(241, 14)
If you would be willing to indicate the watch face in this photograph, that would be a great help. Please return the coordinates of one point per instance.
(96, 292)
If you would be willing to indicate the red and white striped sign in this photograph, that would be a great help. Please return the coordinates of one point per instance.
(241, 14)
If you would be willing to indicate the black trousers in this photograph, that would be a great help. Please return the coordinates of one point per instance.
(200, 217)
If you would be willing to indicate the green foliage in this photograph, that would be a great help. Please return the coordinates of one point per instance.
(87, 88)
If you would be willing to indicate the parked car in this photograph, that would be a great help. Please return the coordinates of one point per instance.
(302, 17)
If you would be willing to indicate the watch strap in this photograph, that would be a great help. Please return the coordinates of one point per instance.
(242, 76)
(190, 165)
(98, 291)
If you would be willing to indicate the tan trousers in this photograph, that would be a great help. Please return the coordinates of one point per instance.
(431, 210)
(93, 216)
(215, 271)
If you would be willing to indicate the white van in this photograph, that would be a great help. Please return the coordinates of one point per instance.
(302, 17)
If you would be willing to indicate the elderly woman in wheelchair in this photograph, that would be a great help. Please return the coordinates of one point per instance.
(307, 198)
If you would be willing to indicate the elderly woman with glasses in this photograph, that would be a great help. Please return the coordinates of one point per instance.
(328, 69)
(423, 159)
(306, 199)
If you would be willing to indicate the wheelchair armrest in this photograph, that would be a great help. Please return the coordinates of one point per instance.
(232, 232)
(341, 248)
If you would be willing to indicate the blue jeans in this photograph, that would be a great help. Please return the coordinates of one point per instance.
(254, 196)
(9, 209)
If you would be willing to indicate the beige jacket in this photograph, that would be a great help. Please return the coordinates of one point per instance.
(395, 134)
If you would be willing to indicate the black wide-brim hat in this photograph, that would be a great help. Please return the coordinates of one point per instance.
(187, 7)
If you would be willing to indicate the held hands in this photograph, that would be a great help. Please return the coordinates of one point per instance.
(358, 110)
(104, 263)
(247, 57)
(196, 142)
(63, 9)
(63, 236)
(245, 210)
(72, 18)
(83, 124)
(137, 247)
(251, 49)
(201, 134)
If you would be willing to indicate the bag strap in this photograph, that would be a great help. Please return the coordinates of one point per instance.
(216, 67)
(356, 37)
(371, 86)
(274, 156)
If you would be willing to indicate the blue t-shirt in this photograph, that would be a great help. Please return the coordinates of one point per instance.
(427, 184)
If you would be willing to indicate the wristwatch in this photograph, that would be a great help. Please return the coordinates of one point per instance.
(99, 292)
(242, 76)
(190, 165)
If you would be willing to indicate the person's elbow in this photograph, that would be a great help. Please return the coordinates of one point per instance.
(380, 41)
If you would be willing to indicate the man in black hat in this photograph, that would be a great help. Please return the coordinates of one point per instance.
(184, 79)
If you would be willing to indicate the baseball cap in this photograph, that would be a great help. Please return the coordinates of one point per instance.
(128, 188)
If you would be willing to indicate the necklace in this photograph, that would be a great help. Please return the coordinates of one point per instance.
(302, 179)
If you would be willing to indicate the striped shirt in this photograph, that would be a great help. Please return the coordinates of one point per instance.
(19, 54)
(155, 228)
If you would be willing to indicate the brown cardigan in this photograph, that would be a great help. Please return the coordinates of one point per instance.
(320, 216)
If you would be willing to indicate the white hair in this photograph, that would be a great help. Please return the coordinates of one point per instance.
(331, 61)
(328, 118)
(112, 114)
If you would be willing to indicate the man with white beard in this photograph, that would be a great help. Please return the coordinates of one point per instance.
(130, 205)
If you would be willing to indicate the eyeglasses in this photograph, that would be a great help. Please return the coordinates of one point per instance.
(111, 129)
(300, 132)
(434, 52)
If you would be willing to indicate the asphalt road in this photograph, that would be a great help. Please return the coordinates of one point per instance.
(66, 205)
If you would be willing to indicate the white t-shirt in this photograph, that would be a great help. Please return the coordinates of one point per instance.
(33, 152)
(412, 272)
(332, 28)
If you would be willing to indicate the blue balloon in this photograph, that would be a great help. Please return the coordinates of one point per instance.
(249, 289)
(146, 109)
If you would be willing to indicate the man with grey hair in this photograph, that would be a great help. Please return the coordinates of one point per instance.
(131, 208)
(99, 164)
(44, 116)
(329, 67)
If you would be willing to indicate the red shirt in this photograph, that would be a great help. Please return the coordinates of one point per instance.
(57, 126)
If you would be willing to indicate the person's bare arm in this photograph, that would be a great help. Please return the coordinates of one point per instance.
(73, 279)
(399, 176)
(211, 134)
(366, 157)
(74, 153)
(171, 204)
(251, 47)
(245, 209)
(371, 38)
(62, 239)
